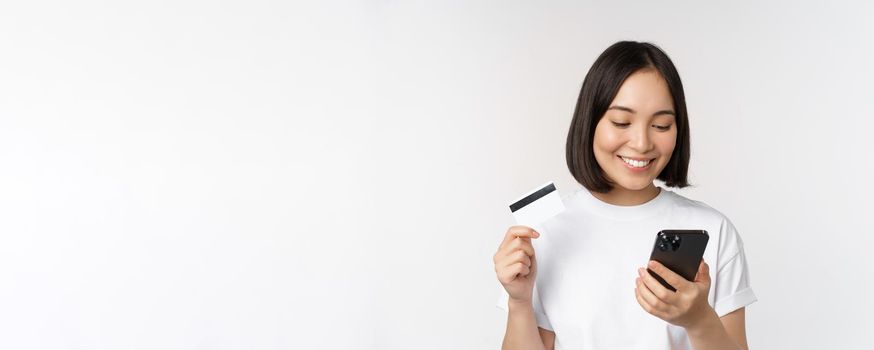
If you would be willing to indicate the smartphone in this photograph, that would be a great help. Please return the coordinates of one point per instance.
(679, 250)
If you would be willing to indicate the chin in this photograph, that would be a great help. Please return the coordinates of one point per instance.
(633, 185)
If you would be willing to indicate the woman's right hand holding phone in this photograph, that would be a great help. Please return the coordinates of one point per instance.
(515, 263)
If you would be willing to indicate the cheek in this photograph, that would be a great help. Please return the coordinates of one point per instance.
(606, 141)
(666, 143)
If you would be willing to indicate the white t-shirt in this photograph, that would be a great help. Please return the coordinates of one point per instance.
(587, 261)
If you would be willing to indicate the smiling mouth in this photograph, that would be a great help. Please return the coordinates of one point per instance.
(637, 164)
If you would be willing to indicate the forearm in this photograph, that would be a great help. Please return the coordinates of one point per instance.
(522, 330)
(710, 334)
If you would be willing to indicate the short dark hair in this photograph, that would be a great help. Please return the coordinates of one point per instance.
(600, 87)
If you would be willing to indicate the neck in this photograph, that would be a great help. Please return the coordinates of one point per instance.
(625, 197)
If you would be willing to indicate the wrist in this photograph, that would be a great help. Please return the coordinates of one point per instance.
(707, 323)
(520, 304)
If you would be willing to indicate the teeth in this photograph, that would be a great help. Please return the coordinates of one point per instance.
(635, 163)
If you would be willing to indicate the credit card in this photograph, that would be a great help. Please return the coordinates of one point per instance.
(537, 206)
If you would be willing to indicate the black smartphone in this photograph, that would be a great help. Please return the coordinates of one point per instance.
(679, 250)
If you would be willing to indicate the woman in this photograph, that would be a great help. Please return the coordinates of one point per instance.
(630, 128)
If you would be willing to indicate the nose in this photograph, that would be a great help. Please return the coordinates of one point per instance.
(640, 140)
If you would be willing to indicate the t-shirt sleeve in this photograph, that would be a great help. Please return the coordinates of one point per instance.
(732, 289)
(539, 314)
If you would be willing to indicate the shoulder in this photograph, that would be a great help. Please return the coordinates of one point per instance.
(572, 196)
(698, 209)
(722, 231)
(707, 216)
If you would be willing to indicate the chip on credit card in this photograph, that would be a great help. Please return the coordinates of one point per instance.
(537, 206)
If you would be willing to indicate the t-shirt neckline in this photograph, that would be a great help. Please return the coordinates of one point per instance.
(621, 212)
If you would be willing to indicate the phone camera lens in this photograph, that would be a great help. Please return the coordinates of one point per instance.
(675, 242)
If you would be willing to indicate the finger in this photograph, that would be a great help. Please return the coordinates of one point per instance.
(653, 291)
(526, 260)
(517, 257)
(703, 273)
(641, 302)
(519, 269)
(508, 273)
(638, 293)
(675, 280)
(516, 249)
(516, 238)
(651, 299)
(521, 244)
(653, 285)
(519, 231)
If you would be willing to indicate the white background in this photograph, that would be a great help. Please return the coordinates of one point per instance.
(265, 175)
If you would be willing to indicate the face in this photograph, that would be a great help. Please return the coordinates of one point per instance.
(635, 138)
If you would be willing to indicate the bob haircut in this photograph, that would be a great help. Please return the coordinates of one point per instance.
(599, 89)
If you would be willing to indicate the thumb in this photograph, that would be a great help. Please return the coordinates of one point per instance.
(703, 273)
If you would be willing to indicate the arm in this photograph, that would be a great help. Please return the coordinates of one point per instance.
(522, 330)
(688, 308)
(516, 268)
(727, 332)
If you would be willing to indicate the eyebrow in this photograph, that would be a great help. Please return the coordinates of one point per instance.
(629, 110)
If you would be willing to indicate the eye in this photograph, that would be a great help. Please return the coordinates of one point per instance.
(620, 125)
(663, 127)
